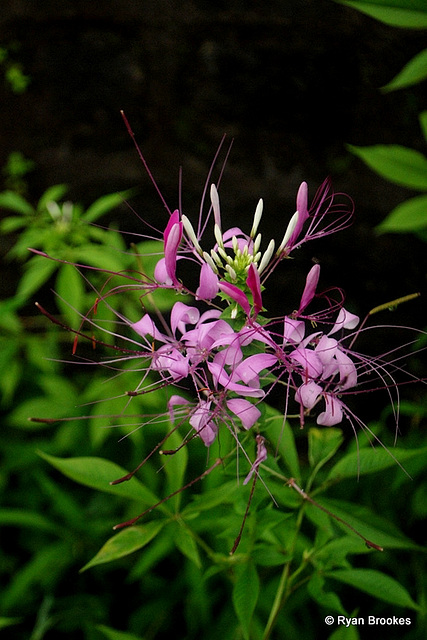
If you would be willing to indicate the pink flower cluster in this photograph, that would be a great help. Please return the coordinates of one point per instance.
(229, 356)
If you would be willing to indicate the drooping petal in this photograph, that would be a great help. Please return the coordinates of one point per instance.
(251, 366)
(245, 410)
(345, 320)
(146, 327)
(202, 423)
(208, 286)
(309, 361)
(333, 413)
(308, 393)
(293, 330)
(181, 315)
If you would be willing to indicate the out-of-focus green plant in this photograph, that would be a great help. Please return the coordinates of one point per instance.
(13, 71)
(66, 230)
(398, 164)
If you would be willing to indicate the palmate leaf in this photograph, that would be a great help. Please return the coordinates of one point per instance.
(411, 14)
(126, 542)
(376, 584)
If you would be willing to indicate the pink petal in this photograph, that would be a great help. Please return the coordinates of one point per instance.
(208, 287)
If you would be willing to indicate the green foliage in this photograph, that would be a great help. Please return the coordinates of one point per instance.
(411, 14)
(405, 167)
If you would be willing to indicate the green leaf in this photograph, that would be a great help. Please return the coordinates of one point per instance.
(186, 544)
(113, 634)
(14, 202)
(11, 224)
(327, 599)
(322, 444)
(245, 595)
(38, 272)
(376, 584)
(423, 123)
(395, 163)
(104, 204)
(175, 467)
(413, 72)
(99, 256)
(376, 529)
(25, 518)
(8, 622)
(126, 542)
(397, 13)
(364, 461)
(52, 194)
(282, 435)
(408, 217)
(70, 289)
(97, 473)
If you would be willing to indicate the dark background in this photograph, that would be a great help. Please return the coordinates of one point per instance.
(291, 81)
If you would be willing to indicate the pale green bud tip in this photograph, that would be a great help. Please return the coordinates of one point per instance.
(257, 217)
(191, 233)
(289, 231)
(266, 257)
(218, 236)
(215, 205)
(210, 262)
(231, 272)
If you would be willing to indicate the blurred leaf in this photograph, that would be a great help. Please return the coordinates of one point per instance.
(38, 272)
(375, 528)
(245, 595)
(113, 634)
(364, 461)
(100, 257)
(97, 473)
(104, 204)
(413, 72)
(395, 163)
(70, 289)
(175, 466)
(8, 622)
(410, 216)
(8, 225)
(43, 568)
(322, 444)
(14, 202)
(281, 433)
(327, 599)
(186, 543)
(423, 123)
(375, 583)
(126, 542)
(25, 518)
(410, 14)
(52, 194)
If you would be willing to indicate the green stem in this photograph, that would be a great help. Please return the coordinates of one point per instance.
(284, 588)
